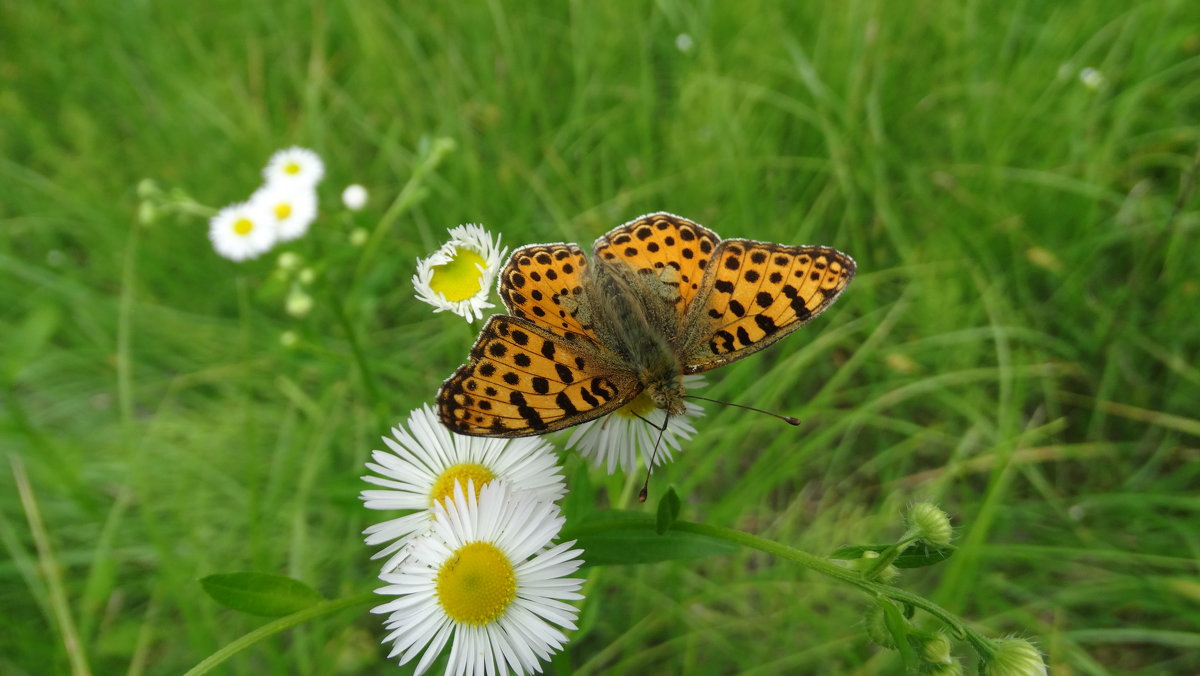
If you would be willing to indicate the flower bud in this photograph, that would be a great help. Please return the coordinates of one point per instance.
(929, 523)
(953, 668)
(358, 237)
(1014, 657)
(877, 629)
(936, 650)
(298, 303)
(288, 261)
(307, 275)
(289, 339)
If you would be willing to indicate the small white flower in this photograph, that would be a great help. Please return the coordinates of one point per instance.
(617, 438)
(295, 165)
(1092, 78)
(458, 276)
(488, 580)
(354, 197)
(243, 230)
(293, 206)
(427, 461)
(684, 42)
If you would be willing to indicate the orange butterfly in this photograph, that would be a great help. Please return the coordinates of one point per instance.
(659, 298)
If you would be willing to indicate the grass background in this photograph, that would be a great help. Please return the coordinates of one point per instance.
(1019, 345)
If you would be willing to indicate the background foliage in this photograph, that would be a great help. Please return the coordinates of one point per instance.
(1019, 345)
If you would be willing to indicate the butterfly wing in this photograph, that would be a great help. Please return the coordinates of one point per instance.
(523, 380)
(755, 293)
(543, 283)
(673, 249)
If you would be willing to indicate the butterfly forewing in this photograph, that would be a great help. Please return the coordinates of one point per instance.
(672, 248)
(542, 283)
(523, 380)
(755, 294)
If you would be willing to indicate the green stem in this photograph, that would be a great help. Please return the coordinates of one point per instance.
(818, 564)
(360, 357)
(276, 626)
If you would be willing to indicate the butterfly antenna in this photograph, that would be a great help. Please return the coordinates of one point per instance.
(642, 494)
(786, 418)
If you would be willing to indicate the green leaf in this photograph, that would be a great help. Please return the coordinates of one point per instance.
(917, 555)
(920, 554)
(618, 537)
(264, 594)
(668, 511)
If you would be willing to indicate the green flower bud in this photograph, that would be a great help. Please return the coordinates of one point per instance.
(289, 339)
(877, 629)
(147, 213)
(936, 650)
(298, 303)
(953, 668)
(1014, 657)
(147, 188)
(929, 523)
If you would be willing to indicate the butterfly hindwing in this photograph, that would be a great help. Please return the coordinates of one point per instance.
(673, 248)
(523, 380)
(755, 294)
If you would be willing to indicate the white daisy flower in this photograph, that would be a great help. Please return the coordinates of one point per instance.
(354, 197)
(294, 207)
(487, 580)
(426, 461)
(243, 230)
(458, 277)
(295, 165)
(617, 438)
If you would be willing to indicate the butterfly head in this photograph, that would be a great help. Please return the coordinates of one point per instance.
(667, 394)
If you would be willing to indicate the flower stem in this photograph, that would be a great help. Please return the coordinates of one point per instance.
(824, 567)
(276, 626)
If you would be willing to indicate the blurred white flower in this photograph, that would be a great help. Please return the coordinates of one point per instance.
(293, 206)
(295, 165)
(241, 231)
(684, 42)
(354, 197)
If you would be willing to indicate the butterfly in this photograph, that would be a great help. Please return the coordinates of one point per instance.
(660, 297)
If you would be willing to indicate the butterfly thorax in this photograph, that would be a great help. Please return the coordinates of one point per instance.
(633, 316)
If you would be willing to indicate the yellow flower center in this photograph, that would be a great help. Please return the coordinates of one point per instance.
(243, 226)
(292, 168)
(459, 474)
(282, 211)
(458, 279)
(476, 585)
(640, 406)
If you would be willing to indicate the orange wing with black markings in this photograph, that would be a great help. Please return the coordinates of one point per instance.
(542, 283)
(755, 294)
(669, 246)
(523, 380)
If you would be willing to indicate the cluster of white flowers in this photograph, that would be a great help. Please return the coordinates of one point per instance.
(474, 562)
(282, 209)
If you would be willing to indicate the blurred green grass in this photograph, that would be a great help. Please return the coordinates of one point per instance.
(1019, 345)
